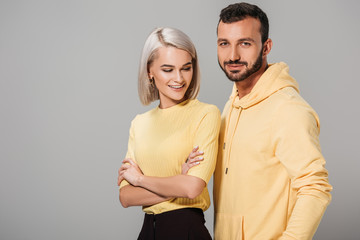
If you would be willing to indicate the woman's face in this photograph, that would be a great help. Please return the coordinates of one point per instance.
(172, 71)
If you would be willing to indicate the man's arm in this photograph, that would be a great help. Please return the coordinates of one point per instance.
(296, 131)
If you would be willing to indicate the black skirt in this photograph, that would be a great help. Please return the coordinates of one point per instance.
(181, 224)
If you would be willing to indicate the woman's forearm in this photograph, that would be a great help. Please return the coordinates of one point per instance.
(138, 196)
(184, 186)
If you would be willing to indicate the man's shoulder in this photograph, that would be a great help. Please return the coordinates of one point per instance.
(290, 105)
(289, 96)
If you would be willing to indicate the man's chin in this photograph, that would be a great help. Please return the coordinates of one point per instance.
(234, 77)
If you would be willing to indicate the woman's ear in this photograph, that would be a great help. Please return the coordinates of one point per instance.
(150, 76)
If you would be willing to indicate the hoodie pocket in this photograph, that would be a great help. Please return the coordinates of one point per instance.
(229, 227)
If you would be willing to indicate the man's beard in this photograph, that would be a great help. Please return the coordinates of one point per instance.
(248, 72)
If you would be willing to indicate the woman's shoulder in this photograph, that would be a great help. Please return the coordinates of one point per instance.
(143, 116)
(206, 114)
(205, 107)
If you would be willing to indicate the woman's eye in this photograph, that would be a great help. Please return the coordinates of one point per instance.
(187, 69)
(167, 70)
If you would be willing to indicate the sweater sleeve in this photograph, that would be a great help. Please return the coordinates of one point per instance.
(296, 134)
(131, 148)
(206, 137)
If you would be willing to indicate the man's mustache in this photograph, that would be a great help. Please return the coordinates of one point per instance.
(235, 62)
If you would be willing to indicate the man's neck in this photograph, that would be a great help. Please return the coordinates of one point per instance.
(245, 86)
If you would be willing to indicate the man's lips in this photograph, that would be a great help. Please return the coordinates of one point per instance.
(235, 66)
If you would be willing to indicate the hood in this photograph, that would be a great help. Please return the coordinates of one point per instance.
(276, 77)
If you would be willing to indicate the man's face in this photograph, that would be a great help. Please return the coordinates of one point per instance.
(240, 48)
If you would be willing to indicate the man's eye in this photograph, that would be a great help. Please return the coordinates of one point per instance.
(246, 44)
(223, 44)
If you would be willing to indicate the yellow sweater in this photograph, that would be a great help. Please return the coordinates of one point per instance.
(270, 181)
(161, 140)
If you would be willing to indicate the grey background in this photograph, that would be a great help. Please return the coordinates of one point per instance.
(68, 92)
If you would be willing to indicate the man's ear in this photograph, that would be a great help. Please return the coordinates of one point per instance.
(267, 47)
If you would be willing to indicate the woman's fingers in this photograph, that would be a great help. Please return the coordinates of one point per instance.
(123, 167)
(190, 163)
(199, 153)
(121, 171)
(129, 161)
(184, 168)
(195, 160)
(120, 177)
(194, 153)
(197, 156)
(195, 149)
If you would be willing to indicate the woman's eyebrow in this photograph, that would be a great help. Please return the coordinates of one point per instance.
(166, 65)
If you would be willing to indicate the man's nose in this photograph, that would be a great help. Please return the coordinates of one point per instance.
(234, 54)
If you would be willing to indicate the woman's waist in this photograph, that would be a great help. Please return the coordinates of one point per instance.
(201, 202)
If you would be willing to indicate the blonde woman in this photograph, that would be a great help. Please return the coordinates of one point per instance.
(158, 173)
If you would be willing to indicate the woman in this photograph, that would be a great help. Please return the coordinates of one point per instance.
(162, 138)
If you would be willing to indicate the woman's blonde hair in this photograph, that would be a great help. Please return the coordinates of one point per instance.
(165, 37)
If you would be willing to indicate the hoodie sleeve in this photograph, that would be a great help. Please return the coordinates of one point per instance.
(296, 131)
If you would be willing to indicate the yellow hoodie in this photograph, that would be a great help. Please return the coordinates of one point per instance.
(270, 181)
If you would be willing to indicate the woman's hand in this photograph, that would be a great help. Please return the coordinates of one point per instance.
(192, 160)
(130, 172)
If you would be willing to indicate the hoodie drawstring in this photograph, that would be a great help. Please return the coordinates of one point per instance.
(227, 153)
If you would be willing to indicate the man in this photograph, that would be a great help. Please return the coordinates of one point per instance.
(270, 181)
